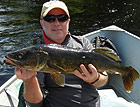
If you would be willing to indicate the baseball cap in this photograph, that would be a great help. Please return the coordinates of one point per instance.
(53, 4)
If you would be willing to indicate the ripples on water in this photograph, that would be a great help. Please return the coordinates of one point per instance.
(19, 22)
(19, 27)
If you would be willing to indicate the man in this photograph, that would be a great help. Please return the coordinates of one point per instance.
(79, 89)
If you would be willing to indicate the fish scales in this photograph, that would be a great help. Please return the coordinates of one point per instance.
(70, 59)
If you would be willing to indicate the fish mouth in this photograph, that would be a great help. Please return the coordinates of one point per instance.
(10, 61)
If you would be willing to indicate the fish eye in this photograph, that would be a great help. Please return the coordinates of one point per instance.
(20, 56)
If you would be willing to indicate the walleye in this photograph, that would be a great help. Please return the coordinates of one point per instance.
(58, 60)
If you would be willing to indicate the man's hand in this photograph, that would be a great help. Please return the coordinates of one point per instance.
(24, 74)
(86, 75)
(91, 76)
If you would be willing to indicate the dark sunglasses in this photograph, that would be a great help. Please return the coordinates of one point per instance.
(52, 18)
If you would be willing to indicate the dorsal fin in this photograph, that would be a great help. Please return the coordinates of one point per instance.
(108, 52)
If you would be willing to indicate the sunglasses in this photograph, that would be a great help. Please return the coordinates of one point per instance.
(52, 18)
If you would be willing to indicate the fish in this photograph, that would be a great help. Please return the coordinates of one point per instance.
(59, 60)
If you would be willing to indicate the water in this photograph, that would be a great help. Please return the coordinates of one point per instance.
(20, 27)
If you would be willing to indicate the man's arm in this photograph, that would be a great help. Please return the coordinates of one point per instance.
(32, 91)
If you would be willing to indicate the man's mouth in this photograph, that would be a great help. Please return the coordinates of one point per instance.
(57, 29)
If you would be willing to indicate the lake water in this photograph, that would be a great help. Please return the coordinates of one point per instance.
(20, 27)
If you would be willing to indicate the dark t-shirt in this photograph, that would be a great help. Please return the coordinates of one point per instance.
(75, 92)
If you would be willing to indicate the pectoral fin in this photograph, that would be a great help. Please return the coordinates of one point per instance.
(56, 67)
(108, 52)
(58, 78)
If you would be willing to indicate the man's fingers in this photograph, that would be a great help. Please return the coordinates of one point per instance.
(88, 76)
(84, 70)
(77, 73)
(92, 68)
(24, 74)
(18, 73)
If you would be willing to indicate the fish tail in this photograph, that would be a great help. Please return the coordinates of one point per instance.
(129, 78)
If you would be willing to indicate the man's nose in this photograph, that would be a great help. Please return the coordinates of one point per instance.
(57, 22)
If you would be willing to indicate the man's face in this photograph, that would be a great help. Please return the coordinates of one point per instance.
(56, 30)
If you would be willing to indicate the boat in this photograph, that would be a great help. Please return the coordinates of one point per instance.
(111, 95)
(128, 47)
(9, 92)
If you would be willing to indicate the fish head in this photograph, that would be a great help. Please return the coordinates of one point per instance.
(29, 58)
